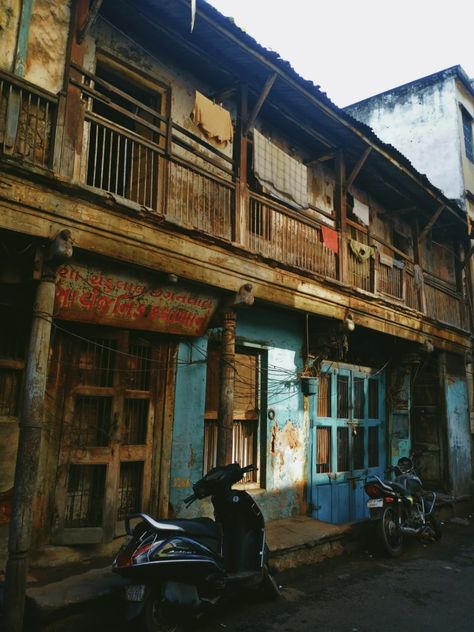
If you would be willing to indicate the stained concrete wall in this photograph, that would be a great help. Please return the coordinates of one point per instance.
(9, 19)
(282, 489)
(421, 121)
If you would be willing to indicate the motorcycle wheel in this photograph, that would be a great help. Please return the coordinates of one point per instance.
(390, 533)
(154, 618)
(436, 526)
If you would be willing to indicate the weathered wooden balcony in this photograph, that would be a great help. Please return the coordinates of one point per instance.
(144, 157)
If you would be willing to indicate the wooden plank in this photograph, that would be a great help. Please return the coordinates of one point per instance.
(125, 238)
(357, 167)
(431, 223)
(340, 204)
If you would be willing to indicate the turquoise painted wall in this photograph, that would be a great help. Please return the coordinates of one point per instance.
(282, 491)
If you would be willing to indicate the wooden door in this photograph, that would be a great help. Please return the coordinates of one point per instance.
(110, 410)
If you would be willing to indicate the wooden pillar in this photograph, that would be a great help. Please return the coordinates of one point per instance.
(341, 214)
(240, 162)
(226, 394)
(29, 444)
(70, 126)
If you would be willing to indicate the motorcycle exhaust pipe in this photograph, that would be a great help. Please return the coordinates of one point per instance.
(411, 531)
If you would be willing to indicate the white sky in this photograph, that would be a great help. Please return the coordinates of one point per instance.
(357, 48)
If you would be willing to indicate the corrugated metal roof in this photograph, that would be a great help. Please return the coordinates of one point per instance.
(218, 50)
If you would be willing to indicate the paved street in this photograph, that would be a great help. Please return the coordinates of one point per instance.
(429, 588)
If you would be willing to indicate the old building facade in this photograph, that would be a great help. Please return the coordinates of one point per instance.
(242, 256)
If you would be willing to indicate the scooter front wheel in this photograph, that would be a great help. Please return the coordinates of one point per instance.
(390, 532)
(155, 618)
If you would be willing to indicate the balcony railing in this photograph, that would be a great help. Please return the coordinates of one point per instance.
(27, 121)
(138, 154)
(279, 233)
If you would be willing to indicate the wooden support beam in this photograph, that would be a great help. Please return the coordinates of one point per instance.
(398, 211)
(91, 16)
(260, 101)
(340, 191)
(431, 223)
(322, 158)
(357, 167)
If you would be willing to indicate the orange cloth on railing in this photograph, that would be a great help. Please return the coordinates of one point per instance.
(330, 238)
(214, 120)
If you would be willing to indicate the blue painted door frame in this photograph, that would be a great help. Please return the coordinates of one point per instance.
(347, 440)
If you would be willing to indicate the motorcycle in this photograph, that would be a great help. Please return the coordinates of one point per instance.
(179, 567)
(401, 507)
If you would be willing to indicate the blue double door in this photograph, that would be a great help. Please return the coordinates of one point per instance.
(347, 441)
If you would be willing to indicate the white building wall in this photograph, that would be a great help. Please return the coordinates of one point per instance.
(422, 123)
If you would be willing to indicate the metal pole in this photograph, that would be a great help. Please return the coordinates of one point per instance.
(31, 423)
(226, 395)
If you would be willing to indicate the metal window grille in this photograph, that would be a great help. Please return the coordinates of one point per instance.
(373, 451)
(343, 461)
(131, 478)
(342, 397)
(359, 398)
(323, 449)
(358, 448)
(97, 362)
(138, 375)
(135, 421)
(85, 495)
(373, 412)
(91, 424)
(324, 395)
(467, 129)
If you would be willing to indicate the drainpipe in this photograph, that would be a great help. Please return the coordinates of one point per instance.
(31, 424)
(243, 298)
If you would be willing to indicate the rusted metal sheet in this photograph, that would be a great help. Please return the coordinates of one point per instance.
(89, 294)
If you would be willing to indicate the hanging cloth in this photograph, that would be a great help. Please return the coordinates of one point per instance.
(361, 252)
(330, 238)
(214, 120)
(278, 172)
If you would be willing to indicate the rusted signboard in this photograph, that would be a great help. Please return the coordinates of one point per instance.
(88, 294)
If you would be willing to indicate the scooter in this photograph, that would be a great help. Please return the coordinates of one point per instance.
(401, 507)
(179, 567)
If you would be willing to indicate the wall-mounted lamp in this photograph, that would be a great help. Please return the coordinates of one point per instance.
(348, 323)
(171, 278)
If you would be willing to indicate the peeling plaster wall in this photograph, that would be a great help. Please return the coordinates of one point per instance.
(467, 101)
(282, 492)
(47, 43)
(422, 123)
(9, 19)
(287, 434)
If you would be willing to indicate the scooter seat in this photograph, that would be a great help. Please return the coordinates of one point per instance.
(196, 527)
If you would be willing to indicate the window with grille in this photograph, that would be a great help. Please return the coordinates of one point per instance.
(107, 441)
(245, 438)
(467, 131)
(323, 449)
